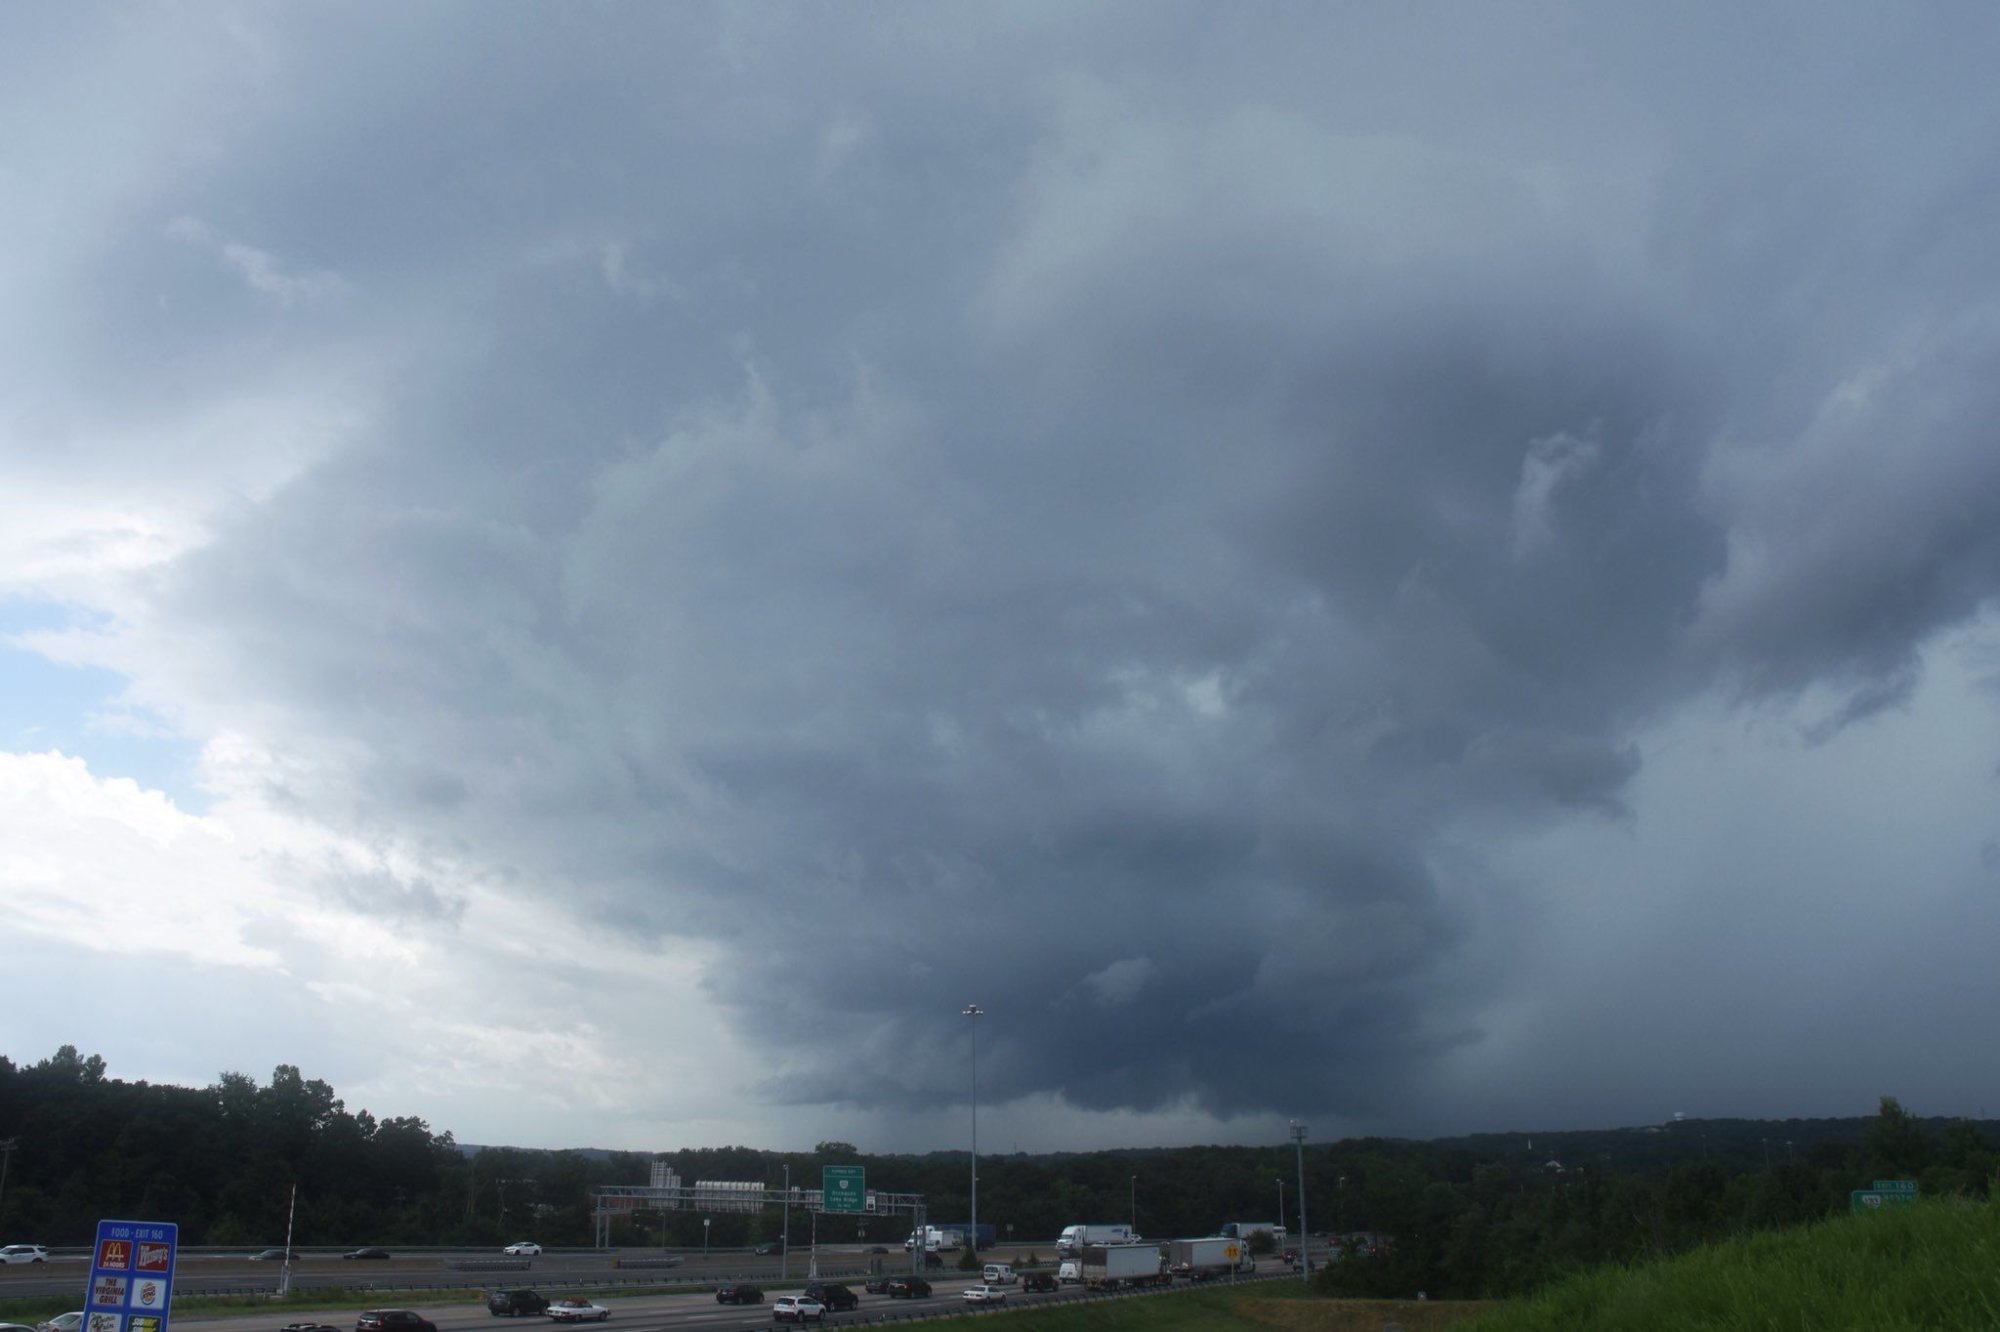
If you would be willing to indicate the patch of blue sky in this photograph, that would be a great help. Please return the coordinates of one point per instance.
(80, 711)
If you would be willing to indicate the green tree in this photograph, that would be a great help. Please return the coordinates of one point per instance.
(1897, 1141)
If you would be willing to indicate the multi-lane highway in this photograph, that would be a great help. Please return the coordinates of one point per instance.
(640, 1300)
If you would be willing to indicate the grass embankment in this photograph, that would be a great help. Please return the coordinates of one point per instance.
(1934, 1265)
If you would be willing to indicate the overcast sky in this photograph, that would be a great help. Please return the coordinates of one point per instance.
(595, 573)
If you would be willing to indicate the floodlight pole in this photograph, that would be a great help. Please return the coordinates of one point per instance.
(975, 1012)
(1299, 1151)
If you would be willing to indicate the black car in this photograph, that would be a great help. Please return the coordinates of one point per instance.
(739, 1294)
(274, 1255)
(877, 1285)
(769, 1247)
(514, 1303)
(367, 1253)
(908, 1288)
(1038, 1281)
(393, 1320)
(836, 1297)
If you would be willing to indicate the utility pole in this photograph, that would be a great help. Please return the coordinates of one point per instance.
(7, 1146)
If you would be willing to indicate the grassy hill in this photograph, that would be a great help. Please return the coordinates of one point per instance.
(1932, 1266)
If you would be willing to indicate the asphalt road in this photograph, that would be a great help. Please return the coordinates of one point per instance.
(649, 1304)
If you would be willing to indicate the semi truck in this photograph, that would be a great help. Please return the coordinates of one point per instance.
(1243, 1230)
(1112, 1266)
(980, 1235)
(1073, 1238)
(1216, 1255)
(949, 1237)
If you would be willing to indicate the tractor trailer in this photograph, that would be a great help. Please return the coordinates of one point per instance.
(1214, 1256)
(1075, 1237)
(1110, 1266)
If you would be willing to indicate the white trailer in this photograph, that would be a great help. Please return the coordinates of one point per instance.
(1110, 1266)
(1243, 1230)
(1212, 1256)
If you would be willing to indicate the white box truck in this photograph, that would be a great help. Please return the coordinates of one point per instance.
(1073, 1238)
(1111, 1266)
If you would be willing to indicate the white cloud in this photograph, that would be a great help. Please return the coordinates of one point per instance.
(1552, 462)
(1121, 982)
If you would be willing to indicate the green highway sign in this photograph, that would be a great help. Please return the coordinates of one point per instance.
(1895, 1186)
(1872, 1200)
(840, 1189)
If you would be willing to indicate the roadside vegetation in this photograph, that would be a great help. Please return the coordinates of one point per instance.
(1934, 1265)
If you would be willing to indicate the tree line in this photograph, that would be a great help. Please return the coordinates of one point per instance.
(1480, 1216)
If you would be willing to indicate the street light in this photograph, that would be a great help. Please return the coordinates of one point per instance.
(785, 1235)
(975, 1012)
(1281, 1200)
(1299, 1151)
(704, 1239)
(1135, 1206)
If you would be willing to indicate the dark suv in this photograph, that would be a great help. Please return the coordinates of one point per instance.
(909, 1288)
(393, 1320)
(836, 1297)
(1038, 1281)
(514, 1303)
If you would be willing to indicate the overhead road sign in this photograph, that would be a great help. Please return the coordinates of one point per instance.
(841, 1189)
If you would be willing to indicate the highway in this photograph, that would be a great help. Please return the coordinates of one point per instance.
(653, 1300)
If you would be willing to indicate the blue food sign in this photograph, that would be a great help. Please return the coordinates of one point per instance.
(131, 1276)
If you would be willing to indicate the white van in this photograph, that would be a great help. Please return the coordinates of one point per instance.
(998, 1274)
(1071, 1270)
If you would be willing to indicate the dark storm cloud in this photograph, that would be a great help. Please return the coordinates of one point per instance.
(1072, 519)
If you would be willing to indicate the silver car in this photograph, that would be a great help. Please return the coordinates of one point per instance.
(796, 1309)
(24, 1253)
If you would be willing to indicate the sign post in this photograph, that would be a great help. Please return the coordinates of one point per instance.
(131, 1276)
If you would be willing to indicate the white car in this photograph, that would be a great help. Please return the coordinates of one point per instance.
(24, 1253)
(578, 1311)
(525, 1249)
(796, 1309)
(68, 1322)
(984, 1294)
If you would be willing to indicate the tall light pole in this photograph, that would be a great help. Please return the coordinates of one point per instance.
(1281, 1200)
(1299, 1151)
(975, 1012)
(1135, 1206)
(785, 1234)
(704, 1239)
